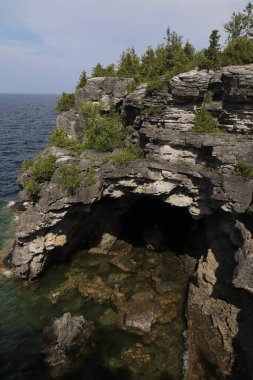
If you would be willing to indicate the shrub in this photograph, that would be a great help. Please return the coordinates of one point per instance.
(132, 86)
(44, 169)
(90, 177)
(32, 188)
(205, 123)
(59, 138)
(91, 109)
(154, 85)
(127, 154)
(152, 110)
(26, 164)
(104, 133)
(69, 178)
(208, 97)
(245, 170)
(82, 80)
(65, 102)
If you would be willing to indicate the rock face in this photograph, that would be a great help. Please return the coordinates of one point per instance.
(65, 338)
(184, 169)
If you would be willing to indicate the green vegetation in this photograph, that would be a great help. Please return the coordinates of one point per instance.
(175, 56)
(244, 170)
(91, 109)
(238, 52)
(208, 168)
(241, 23)
(205, 123)
(43, 170)
(153, 110)
(208, 98)
(127, 154)
(104, 132)
(65, 102)
(69, 178)
(59, 138)
(100, 71)
(212, 55)
(90, 177)
(32, 188)
(82, 80)
(40, 171)
(26, 164)
(154, 86)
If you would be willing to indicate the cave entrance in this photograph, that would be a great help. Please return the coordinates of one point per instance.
(131, 279)
(147, 221)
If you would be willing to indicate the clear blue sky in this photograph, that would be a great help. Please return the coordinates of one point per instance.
(45, 44)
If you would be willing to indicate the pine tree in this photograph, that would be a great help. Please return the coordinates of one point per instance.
(241, 23)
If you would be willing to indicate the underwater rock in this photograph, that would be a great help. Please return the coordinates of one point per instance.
(139, 313)
(136, 358)
(66, 338)
(124, 262)
(108, 318)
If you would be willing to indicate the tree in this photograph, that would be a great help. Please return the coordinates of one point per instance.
(148, 63)
(241, 23)
(129, 64)
(212, 55)
(100, 71)
(238, 52)
(189, 50)
(82, 80)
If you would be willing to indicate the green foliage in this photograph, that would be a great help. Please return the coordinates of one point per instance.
(44, 169)
(59, 138)
(91, 109)
(132, 86)
(82, 80)
(90, 177)
(212, 55)
(127, 154)
(241, 23)
(40, 171)
(244, 170)
(205, 123)
(154, 86)
(26, 164)
(129, 65)
(100, 71)
(32, 188)
(152, 110)
(65, 102)
(208, 97)
(69, 178)
(238, 52)
(104, 133)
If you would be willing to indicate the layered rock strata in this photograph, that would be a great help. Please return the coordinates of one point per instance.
(182, 168)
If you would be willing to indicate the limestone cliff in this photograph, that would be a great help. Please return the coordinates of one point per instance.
(184, 169)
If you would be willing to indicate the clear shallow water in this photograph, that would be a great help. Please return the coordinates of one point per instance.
(26, 121)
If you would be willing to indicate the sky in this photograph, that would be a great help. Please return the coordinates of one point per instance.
(45, 44)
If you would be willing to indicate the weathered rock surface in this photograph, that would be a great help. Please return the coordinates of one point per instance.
(183, 169)
(66, 338)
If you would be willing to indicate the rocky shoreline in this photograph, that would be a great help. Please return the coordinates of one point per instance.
(194, 174)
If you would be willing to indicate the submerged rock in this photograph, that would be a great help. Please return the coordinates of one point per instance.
(138, 314)
(65, 339)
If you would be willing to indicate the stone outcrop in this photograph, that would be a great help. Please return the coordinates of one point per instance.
(66, 338)
(181, 167)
